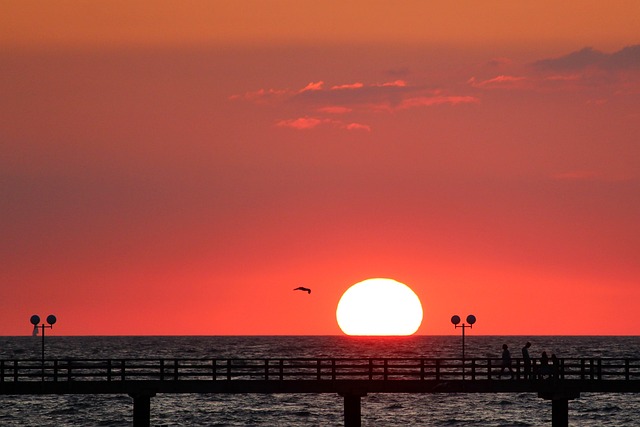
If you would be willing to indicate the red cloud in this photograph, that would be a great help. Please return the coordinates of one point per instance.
(348, 86)
(427, 101)
(321, 103)
(589, 67)
(305, 123)
(262, 95)
(627, 58)
(312, 86)
(301, 123)
(358, 126)
(501, 81)
(397, 83)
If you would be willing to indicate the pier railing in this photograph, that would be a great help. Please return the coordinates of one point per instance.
(315, 369)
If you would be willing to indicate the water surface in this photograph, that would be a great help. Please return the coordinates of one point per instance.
(488, 410)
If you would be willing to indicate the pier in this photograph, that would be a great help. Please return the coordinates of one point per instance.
(351, 378)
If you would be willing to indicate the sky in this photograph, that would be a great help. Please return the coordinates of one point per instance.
(178, 167)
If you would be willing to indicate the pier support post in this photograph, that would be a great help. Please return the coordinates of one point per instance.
(142, 409)
(559, 406)
(560, 413)
(352, 411)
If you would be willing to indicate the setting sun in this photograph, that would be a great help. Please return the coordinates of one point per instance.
(379, 307)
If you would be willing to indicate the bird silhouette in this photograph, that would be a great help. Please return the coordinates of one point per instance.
(301, 288)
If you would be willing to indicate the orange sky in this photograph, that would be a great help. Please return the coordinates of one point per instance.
(179, 167)
(229, 22)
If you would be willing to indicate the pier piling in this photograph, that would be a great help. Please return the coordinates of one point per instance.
(352, 409)
(559, 406)
(141, 409)
(560, 413)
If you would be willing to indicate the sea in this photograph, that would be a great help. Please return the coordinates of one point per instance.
(381, 409)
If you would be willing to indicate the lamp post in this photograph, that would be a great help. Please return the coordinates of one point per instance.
(471, 319)
(35, 319)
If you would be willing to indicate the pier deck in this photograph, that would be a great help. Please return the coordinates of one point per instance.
(352, 378)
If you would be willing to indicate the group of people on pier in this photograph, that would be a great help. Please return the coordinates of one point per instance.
(542, 371)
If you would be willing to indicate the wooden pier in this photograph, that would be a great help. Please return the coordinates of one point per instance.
(351, 378)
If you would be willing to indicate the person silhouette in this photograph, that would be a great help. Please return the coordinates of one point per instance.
(544, 366)
(555, 366)
(506, 361)
(526, 360)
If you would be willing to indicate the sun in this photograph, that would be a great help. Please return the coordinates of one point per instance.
(379, 307)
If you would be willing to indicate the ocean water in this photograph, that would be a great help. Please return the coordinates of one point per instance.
(507, 409)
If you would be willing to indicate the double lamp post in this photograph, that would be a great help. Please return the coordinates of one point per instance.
(471, 319)
(35, 319)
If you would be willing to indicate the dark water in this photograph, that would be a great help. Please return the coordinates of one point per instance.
(526, 409)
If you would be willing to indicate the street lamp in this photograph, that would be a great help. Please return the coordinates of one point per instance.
(35, 319)
(471, 319)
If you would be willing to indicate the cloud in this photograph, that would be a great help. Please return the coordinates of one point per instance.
(307, 123)
(261, 96)
(320, 104)
(358, 126)
(395, 83)
(358, 96)
(627, 58)
(624, 59)
(301, 123)
(579, 60)
(313, 86)
(428, 101)
(354, 98)
(591, 68)
(387, 96)
(499, 82)
(575, 71)
(348, 86)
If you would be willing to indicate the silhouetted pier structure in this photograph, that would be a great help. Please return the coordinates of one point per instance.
(351, 378)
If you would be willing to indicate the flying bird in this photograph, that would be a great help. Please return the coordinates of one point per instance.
(300, 288)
